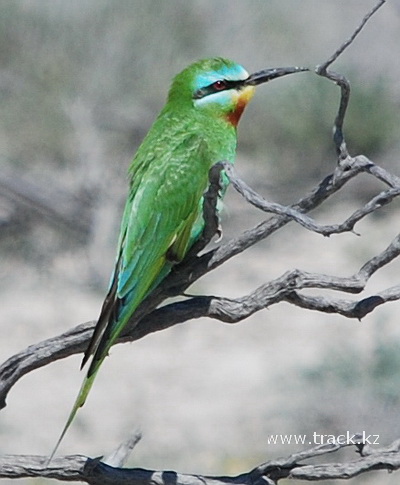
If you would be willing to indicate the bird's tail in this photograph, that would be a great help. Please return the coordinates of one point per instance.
(108, 338)
(112, 320)
(79, 402)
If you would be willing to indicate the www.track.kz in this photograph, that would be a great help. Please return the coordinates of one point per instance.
(323, 439)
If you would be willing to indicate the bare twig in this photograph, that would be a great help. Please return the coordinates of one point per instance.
(350, 40)
(380, 200)
(343, 83)
(118, 457)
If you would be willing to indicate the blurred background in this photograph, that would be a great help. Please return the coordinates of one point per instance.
(80, 84)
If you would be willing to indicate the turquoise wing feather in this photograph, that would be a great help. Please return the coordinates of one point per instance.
(156, 232)
(156, 228)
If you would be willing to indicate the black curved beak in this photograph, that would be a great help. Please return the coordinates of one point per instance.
(269, 74)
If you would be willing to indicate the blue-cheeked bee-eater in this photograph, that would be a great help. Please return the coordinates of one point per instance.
(168, 177)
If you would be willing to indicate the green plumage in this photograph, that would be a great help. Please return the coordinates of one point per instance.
(168, 176)
(163, 212)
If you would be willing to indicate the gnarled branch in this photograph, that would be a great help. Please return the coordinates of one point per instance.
(96, 472)
(149, 318)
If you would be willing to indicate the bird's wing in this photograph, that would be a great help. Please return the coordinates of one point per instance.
(159, 215)
(159, 222)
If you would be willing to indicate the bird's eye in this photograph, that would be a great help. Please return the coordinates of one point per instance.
(219, 85)
(215, 87)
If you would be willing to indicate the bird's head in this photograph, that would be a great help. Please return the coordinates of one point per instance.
(220, 87)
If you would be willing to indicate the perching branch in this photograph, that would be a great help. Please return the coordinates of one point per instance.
(285, 288)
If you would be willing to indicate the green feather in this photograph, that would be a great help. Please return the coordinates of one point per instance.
(162, 216)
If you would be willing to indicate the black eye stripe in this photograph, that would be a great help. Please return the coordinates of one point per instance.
(216, 88)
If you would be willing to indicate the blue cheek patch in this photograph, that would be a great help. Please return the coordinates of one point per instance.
(223, 98)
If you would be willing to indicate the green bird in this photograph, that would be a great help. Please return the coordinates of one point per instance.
(168, 176)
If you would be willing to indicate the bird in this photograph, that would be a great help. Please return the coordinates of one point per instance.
(167, 178)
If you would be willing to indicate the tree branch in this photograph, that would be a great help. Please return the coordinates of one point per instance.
(96, 472)
(380, 200)
(149, 318)
(343, 83)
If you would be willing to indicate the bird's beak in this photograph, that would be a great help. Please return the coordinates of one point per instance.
(269, 74)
